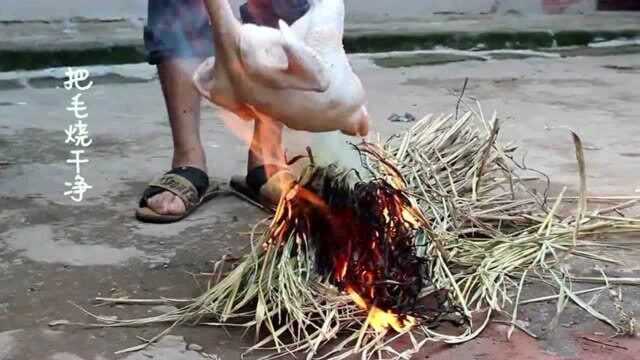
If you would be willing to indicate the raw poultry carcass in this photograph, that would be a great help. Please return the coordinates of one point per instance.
(298, 75)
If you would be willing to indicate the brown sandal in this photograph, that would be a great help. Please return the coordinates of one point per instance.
(190, 184)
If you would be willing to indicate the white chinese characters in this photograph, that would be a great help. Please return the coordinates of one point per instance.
(77, 133)
(75, 77)
(78, 107)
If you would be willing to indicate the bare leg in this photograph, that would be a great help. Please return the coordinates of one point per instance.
(266, 144)
(266, 149)
(183, 106)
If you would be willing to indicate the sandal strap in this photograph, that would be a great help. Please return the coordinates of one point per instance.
(259, 175)
(186, 182)
(269, 180)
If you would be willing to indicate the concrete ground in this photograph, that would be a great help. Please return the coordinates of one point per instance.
(54, 252)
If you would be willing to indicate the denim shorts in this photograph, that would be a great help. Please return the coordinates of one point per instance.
(181, 28)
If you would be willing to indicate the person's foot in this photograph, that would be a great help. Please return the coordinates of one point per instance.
(268, 176)
(270, 181)
(263, 186)
(167, 203)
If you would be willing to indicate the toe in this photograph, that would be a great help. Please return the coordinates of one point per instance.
(154, 203)
(175, 206)
(161, 203)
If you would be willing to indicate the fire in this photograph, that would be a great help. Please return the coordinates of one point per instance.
(363, 238)
(242, 130)
(381, 320)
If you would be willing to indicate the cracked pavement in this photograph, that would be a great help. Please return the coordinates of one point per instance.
(54, 252)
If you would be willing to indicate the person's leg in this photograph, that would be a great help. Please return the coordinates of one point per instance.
(183, 107)
(266, 145)
(266, 153)
(177, 39)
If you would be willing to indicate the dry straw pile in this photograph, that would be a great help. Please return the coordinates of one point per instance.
(479, 229)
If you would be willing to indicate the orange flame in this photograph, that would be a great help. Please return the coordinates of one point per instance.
(381, 320)
(243, 130)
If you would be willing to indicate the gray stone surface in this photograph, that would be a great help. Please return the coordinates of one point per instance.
(8, 344)
(50, 247)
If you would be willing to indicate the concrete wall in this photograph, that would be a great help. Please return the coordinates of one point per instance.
(366, 9)
(356, 9)
(545, 6)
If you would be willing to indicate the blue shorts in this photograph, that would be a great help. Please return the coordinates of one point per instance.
(181, 28)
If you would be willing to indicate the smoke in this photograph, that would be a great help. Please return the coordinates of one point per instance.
(177, 30)
(335, 147)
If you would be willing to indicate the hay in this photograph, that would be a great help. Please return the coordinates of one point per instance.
(489, 236)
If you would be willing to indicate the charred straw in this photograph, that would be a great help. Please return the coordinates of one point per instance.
(364, 240)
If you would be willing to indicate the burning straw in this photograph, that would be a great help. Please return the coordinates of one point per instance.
(446, 228)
